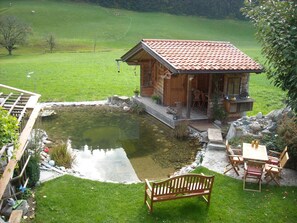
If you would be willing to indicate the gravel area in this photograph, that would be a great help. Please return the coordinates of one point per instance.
(216, 160)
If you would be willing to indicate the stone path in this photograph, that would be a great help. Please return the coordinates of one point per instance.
(216, 160)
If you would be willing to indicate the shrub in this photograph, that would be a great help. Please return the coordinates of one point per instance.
(137, 108)
(218, 112)
(136, 91)
(287, 136)
(8, 128)
(33, 171)
(236, 141)
(181, 130)
(156, 99)
(62, 156)
(27, 194)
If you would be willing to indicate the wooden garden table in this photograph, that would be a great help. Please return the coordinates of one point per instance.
(253, 153)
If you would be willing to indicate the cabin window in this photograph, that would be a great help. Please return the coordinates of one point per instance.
(234, 86)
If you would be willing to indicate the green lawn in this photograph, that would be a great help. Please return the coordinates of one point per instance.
(70, 76)
(267, 97)
(69, 199)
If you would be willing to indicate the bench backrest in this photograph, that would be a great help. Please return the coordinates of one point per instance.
(183, 184)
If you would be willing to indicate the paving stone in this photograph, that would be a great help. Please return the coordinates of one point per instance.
(218, 146)
(215, 135)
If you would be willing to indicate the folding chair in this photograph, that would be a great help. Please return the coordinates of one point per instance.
(273, 172)
(234, 159)
(275, 156)
(253, 170)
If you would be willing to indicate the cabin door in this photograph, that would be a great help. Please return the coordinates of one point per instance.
(146, 82)
(175, 90)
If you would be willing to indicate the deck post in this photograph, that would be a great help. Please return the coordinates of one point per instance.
(189, 95)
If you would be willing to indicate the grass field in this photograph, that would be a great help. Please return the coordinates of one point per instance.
(69, 199)
(74, 72)
(70, 76)
(76, 26)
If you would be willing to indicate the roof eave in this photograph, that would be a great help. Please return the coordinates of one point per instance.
(131, 52)
(141, 45)
(216, 71)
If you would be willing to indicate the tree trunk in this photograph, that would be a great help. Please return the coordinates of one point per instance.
(9, 49)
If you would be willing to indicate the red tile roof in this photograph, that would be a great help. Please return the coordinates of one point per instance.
(192, 55)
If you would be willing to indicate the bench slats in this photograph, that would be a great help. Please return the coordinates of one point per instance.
(183, 186)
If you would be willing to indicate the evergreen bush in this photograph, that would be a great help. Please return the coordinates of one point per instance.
(218, 112)
(33, 171)
(287, 136)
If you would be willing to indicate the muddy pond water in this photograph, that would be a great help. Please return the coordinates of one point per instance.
(111, 144)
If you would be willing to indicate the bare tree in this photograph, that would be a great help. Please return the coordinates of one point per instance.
(51, 41)
(12, 32)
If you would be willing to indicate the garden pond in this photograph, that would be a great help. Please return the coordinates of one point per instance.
(110, 142)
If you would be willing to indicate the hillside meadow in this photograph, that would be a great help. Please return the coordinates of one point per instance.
(89, 38)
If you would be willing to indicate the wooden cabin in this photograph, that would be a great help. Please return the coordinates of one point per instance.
(194, 73)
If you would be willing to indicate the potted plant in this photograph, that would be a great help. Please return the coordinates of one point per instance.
(156, 99)
(136, 92)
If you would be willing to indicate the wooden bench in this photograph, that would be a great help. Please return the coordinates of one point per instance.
(183, 186)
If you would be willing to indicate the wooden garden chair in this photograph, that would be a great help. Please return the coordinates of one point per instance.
(275, 156)
(234, 158)
(197, 100)
(253, 169)
(203, 101)
(273, 172)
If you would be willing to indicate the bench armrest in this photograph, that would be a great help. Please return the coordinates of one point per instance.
(270, 166)
(148, 185)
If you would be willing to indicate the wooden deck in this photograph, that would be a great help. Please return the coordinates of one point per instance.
(202, 125)
(160, 112)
